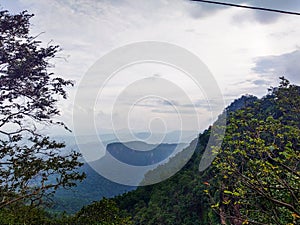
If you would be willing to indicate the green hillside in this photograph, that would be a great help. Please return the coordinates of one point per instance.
(254, 179)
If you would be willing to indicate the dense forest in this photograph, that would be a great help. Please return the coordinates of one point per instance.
(254, 178)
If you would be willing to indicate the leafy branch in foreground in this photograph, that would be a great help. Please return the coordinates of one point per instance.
(31, 164)
(258, 179)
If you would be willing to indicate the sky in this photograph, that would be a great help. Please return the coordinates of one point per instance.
(245, 51)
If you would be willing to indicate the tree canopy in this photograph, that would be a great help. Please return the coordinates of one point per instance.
(32, 165)
(258, 167)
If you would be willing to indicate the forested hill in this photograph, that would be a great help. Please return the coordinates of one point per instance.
(254, 179)
(180, 199)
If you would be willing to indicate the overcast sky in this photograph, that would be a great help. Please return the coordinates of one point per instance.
(245, 50)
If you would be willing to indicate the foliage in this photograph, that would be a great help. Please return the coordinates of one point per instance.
(104, 212)
(258, 167)
(31, 165)
(26, 215)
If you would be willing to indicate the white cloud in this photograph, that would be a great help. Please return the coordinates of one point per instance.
(87, 29)
(273, 66)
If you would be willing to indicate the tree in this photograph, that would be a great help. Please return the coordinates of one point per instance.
(258, 166)
(104, 212)
(31, 163)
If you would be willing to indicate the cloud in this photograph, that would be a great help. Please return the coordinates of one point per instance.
(88, 29)
(199, 10)
(270, 17)
(152, 102)
(255, 16)
(260, 82)
(287, 5)
(273, 66)
(189, 112)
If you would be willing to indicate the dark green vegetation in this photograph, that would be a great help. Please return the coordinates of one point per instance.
(105, 212)
(257, 171)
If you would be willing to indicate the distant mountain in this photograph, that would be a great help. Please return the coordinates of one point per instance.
(95, 186)
(172, 137)
(93, 147)
(142, 154)
(122, 159)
